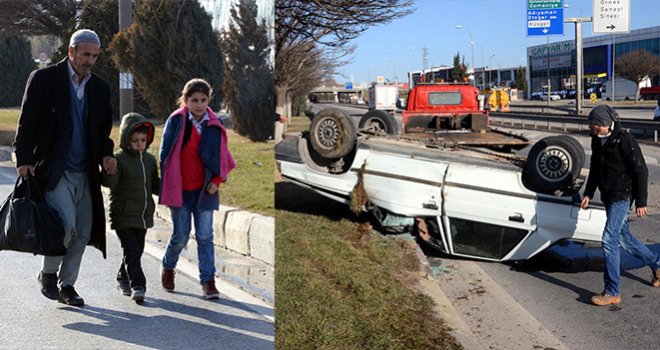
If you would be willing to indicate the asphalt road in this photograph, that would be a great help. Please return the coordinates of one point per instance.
(180, 320)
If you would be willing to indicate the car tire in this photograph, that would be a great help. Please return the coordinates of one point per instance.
(332, 134)
(381, 121)
(554, 164)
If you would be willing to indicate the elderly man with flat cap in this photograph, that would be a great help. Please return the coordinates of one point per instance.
(619, 171)
(63, 136)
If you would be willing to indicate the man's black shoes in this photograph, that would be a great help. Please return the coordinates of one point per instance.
(49, 285)
(124, 287)
(69, 296)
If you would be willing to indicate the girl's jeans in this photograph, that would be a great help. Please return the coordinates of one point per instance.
(617, 232)
(203, 234)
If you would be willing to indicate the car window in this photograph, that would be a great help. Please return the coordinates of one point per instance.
(445, 98)
(482, 239)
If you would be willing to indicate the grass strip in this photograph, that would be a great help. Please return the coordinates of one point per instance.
(341, 285)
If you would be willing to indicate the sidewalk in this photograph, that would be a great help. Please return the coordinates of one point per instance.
(241, 276)
(109, 320)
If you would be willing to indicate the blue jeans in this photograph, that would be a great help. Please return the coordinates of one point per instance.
(617, 232)
(203, 234)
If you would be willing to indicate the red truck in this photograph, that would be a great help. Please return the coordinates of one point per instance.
(447, 113)
(649, 93)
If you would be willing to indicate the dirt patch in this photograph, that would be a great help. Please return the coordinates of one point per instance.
(360, 236)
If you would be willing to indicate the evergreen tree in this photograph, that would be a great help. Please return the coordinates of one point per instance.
(249, 86)
(16, 63)
(169, 43)
(521, 81)
(459, 73)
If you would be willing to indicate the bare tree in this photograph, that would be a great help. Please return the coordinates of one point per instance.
(335, 23)
(313, 37)
(298, 69)
(636, 66)
(38, 17)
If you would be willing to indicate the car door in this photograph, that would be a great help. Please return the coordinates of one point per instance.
(402, 182)
(487, 212)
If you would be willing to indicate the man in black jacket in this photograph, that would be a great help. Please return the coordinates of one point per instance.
(63, 136)
(619, 171)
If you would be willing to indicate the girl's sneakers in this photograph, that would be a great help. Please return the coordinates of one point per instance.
(210, 292)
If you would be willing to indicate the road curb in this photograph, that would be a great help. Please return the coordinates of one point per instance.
(428, 285)
(247, 271)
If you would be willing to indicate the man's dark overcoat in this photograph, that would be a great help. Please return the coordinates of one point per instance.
(45, 129)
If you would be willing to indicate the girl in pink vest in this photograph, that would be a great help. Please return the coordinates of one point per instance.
(194, 161)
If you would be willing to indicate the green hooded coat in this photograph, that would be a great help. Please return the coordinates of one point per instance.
(131, 189)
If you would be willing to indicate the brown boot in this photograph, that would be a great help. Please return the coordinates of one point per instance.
(604, 299)
(655, 280)
(167, 279)
(210, 292)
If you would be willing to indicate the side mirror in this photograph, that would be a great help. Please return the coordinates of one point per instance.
(398, 104)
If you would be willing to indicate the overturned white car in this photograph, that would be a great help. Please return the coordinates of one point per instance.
(462, 199)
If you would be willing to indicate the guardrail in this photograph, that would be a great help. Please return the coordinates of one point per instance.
(536, 120)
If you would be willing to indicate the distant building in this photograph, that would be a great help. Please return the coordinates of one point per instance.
(558, 60)
(221, 17)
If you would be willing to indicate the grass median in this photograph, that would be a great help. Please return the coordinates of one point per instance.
(341, 285)
(249, 187)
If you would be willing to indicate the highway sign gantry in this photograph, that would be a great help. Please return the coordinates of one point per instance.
(611, 16)
(545, 17)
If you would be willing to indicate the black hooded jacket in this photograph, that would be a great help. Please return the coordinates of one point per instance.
(617, 169)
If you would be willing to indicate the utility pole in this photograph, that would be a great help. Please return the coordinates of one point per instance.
(125, 78)
(547, 68)
(579, 66)
(425, 57)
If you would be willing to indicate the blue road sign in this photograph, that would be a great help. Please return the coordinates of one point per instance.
(545, 17)
(348, 86)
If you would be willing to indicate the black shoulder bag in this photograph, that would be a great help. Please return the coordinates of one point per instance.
(28, 224)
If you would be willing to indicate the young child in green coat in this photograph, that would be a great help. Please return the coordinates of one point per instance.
(131, 203)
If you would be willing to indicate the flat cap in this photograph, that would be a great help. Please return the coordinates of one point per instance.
(84, 36)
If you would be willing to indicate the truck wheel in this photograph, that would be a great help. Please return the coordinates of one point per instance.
(553, 164)
(332, 134)
(380, 121)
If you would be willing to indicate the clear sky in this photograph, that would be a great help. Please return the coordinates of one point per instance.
(498, 28)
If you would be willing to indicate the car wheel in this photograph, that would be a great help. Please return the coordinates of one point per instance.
(332, 134)
(553, 164)
(379, 121)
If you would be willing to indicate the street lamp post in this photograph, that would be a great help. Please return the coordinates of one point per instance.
(575, 8)
(392, 66)
(458, 26)
(483, 81)
(489, 58)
